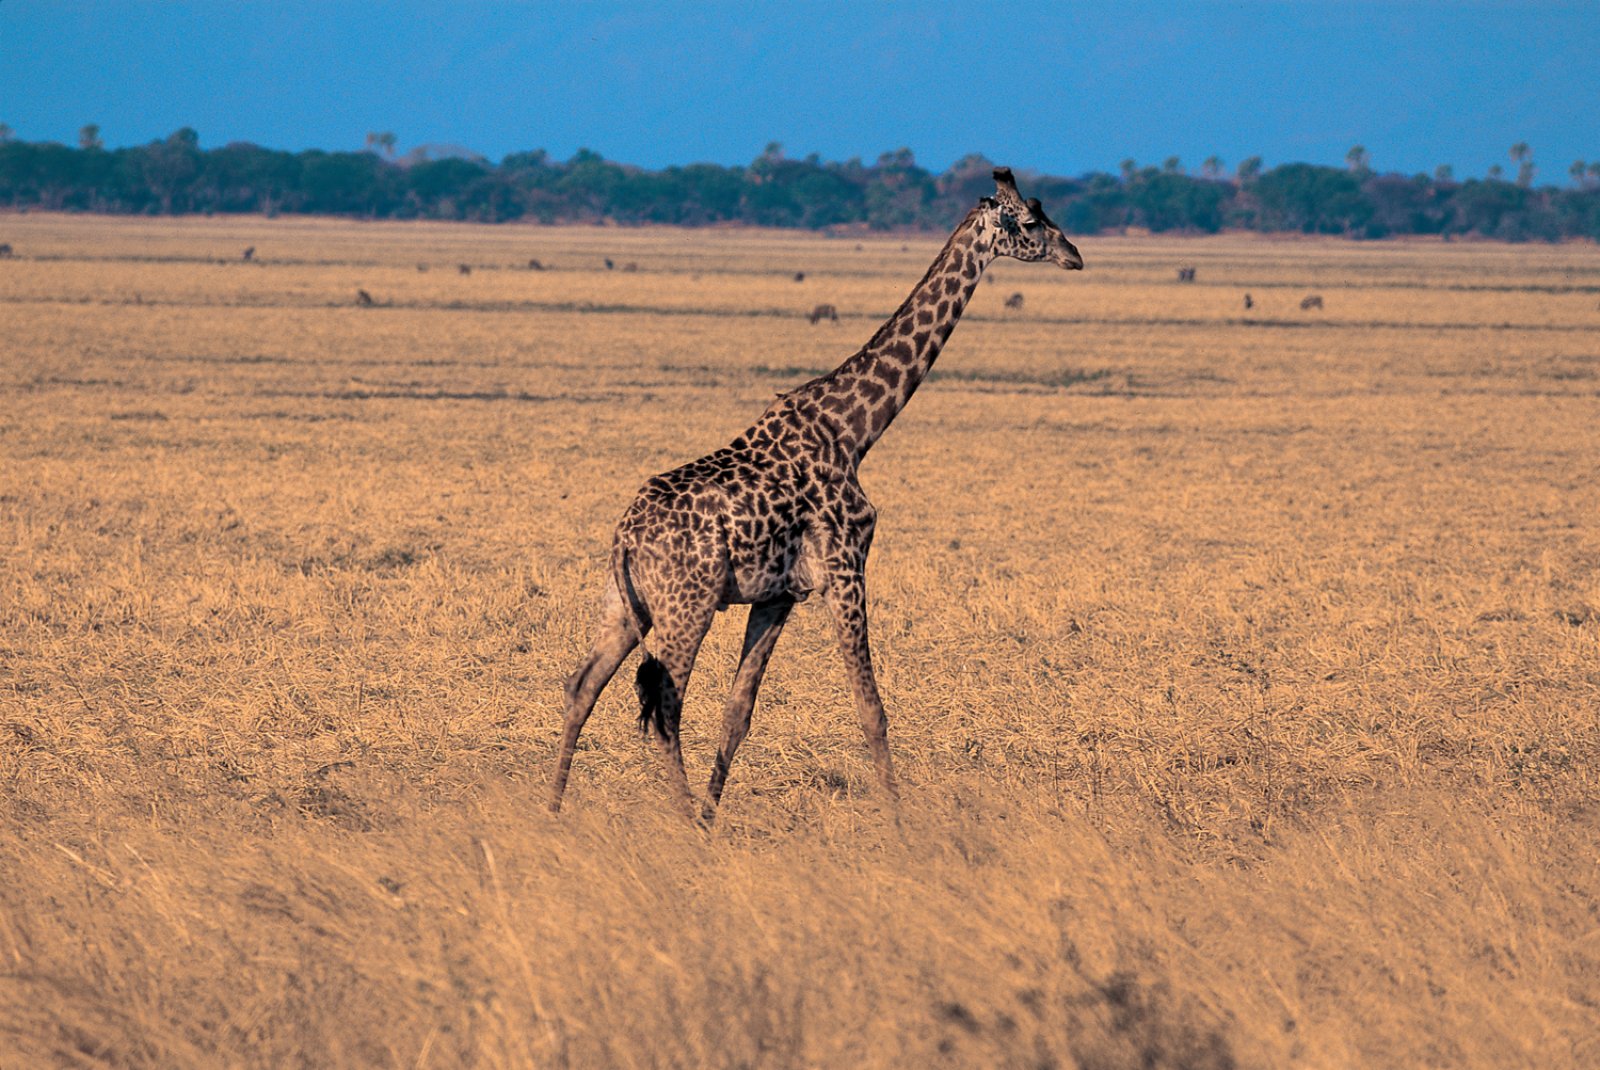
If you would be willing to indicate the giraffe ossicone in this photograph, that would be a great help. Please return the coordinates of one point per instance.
(778, 514)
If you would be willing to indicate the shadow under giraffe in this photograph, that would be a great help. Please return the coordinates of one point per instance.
(778, 514)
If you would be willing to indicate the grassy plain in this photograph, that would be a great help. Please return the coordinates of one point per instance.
(1243, 666)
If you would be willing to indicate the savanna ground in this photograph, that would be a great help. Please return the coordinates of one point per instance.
(1242, 666)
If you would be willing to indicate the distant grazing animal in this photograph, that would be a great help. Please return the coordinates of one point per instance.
(465, 269)
(534, 265)
(1248, 304)
(364, 299)
(609, 264)
(1312, 301)
(823, 312)
(1186, 274)
(778, 514)
(422, 267)
(5, 249)
(1014, 301)
(799, 276)
(250, 253)
(630, 266)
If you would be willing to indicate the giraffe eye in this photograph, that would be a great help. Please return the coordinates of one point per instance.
(1008, 223)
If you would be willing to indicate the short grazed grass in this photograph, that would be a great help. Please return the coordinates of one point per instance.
(1243, 666)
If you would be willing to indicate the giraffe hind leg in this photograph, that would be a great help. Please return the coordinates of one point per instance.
(662, 682)
(615, 637)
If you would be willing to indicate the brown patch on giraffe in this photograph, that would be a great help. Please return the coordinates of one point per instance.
(836, 403)
(925, 317)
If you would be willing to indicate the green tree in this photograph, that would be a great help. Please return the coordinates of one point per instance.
(1578, 170)
(1171, 200)
(382, 141)
(1357, 159)
(526, 161)
(439, 187)
(1444, 174)
(1212, 167)
(169, 166)
(240, 177)
(1249, 168)
(1129, 168)
(89, 137)
(1172, 165)
(1312, 199)
(589, 184)
(770, 160)
(6, 133)
(1522, 155)
(897, 191)
(347, 183)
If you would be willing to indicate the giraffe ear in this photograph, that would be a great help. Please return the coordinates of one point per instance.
(1005, 193)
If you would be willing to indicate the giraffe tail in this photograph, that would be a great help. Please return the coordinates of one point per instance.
(651, 678)
(620, 575)
(648, 684)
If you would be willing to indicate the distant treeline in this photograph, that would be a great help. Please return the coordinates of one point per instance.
(177, 176)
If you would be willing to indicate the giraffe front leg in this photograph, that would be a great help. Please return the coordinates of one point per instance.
(760, 636)
(847, 599)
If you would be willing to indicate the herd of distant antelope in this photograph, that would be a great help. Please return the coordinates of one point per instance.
(817, 314)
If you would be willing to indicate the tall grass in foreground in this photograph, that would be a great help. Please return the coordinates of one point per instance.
(986, 929)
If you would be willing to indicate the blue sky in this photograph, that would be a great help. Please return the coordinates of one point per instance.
(1061, 88)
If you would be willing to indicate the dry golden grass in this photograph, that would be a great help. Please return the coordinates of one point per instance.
(1242, 667)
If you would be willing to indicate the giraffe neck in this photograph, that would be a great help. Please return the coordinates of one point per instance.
(881, 378)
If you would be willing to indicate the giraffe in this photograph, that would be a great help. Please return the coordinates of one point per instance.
(778, 514)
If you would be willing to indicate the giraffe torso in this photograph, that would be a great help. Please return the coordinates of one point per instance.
(760, 518)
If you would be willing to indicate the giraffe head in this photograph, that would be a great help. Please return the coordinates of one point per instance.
(1021, 229)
